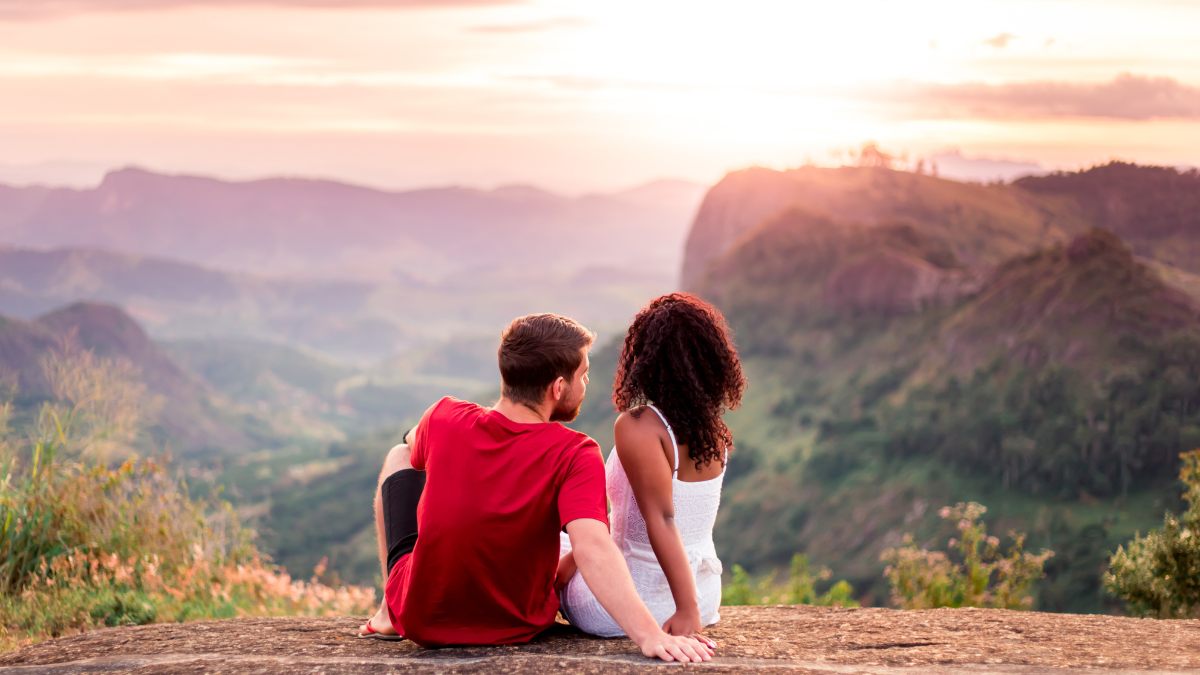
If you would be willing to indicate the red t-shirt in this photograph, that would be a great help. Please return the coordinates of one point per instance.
(497, 493)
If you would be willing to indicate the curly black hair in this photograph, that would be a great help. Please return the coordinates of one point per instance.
(679, 355)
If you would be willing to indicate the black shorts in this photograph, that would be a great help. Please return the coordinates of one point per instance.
(400, 494)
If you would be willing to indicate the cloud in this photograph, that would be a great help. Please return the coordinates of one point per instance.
(1127, 96)
(42, 9)
(952, 163)
(532, 26)
(1000, 41)
(590, 83)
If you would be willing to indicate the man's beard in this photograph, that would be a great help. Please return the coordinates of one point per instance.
(566, 410)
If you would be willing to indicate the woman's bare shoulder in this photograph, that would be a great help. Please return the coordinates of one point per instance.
(638, 420)
(638, 431)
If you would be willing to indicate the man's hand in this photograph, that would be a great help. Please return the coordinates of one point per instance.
(684, 622)
(607, 575)
(676, 648)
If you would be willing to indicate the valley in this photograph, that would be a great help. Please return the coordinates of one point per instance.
(910, 342)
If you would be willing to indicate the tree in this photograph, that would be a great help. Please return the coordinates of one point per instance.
(871, 156)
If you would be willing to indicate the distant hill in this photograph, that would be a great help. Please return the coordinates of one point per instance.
(359, 322)
(288, 226)
(326, 400)
(1152, 208)
(984, 224)
(1082, 302)
(1155, 209)
(189, 420)
(354, 273)
(174, 299)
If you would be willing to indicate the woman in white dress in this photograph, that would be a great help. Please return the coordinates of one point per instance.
(677, 375)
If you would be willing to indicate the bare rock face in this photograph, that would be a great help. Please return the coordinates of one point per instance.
(733, 207)
(751, 639)
(891, 282)
(982, 224)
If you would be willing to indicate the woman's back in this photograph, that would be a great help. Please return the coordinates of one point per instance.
(696, 503)
(695, 512)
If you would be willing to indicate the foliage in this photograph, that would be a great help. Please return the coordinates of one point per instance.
(86, 543)
(974, 573)
(798, 589)
(1050, 431)
(1159, 573)
(1158, 201)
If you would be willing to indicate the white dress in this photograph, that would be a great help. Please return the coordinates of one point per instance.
(696, 506)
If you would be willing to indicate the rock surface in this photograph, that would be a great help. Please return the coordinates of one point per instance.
(760, 639)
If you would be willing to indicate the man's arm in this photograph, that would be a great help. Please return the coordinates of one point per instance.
(607, 576)
(417, 437)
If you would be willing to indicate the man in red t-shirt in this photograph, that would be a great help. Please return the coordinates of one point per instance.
(469, 509)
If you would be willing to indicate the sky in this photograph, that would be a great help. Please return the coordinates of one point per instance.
(581, 96)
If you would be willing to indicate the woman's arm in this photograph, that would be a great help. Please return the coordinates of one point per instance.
(607, 574)
(566, 570)
(646, 463)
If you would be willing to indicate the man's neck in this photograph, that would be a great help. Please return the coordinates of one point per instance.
(521, 412)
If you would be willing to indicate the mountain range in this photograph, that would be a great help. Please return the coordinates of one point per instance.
(910, 341)
(325, 229)
(352, 273)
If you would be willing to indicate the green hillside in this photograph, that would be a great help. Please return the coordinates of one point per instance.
(913, 342)
(1155, 209)
(304, 394)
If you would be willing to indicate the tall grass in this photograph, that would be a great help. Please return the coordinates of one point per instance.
(93, 535)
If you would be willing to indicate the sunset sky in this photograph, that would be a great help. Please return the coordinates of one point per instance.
(579, 96)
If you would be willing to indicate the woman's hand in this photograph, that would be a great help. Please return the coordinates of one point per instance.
(566, 570)
(684, 622)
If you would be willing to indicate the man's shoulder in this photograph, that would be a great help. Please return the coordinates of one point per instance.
(449, 406)
(577, 440)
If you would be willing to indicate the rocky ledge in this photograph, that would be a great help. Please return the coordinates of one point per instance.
(790, 639)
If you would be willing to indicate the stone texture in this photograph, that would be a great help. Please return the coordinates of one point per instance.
(759, 639)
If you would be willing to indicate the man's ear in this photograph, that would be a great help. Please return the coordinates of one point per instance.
(558, 388)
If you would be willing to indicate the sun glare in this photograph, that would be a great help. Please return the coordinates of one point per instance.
(649, 84)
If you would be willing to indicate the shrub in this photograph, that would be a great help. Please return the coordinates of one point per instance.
(85, 543)
(1159, 574)
(972, 573)
(798, 589)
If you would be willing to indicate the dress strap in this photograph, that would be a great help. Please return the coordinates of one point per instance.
(671, 433)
